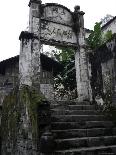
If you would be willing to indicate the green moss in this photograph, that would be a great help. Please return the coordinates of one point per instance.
(31, 98)
(18, 100)
(10, 117)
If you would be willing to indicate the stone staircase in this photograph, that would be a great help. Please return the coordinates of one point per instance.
(80, 129)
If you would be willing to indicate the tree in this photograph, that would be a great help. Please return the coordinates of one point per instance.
(97, 37)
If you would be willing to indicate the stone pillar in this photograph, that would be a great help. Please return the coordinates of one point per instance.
(29, 61)
(34, 27)
(34, 17)
(25, 69)
(81, 64)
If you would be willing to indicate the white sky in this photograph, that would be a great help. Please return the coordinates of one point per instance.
(14, 19)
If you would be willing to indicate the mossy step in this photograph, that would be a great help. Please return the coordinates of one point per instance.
(74, 112)
(81, 107)
(81, 124)
(75, 107)
(98, 150)
(57, 103)
(71, 133)
(85, 142)
(76, 118)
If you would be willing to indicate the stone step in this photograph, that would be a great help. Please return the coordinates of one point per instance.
(74, 107)
(98, 150)
(71, 133)
(74, 112)
(61, 103)
(85, 142)
(76, 118)
(81, 124)
(81, 107)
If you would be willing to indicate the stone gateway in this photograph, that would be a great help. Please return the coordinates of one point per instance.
(31, 88)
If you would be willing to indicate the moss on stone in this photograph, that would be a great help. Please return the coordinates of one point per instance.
(26, 99)
(32, 99)
(9, 115)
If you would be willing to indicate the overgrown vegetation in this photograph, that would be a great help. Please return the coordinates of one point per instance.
(65, 81)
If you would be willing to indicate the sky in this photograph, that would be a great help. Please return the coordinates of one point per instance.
(14, 17)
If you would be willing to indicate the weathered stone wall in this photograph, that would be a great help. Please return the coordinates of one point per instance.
(46, 84)
(107, 75)
(8, 81)
(104, 64)
(20, 132)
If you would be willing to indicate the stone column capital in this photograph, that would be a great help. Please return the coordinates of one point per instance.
(76, 8)
(27, 35)
(78, 19)
(35, 1)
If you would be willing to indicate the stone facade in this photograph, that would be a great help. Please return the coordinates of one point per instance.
(107, 75)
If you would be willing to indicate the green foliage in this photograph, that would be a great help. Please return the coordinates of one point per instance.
(63, 54)
(97, 37)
